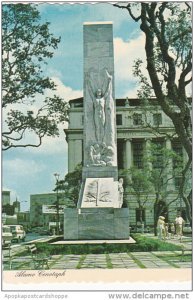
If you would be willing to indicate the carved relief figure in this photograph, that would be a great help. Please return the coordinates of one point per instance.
(95, 155)
(107, 154)
(99, 102)
(100, 155)
(121, 191)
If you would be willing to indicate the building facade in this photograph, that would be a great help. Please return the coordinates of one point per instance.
(137, 127)
(23, 218)
(43, 210)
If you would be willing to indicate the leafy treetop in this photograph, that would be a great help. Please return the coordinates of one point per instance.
(26, 46)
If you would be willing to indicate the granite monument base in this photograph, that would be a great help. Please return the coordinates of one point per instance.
(100, 172)
(96, 223)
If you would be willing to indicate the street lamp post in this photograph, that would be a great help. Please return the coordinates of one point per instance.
(57, 202)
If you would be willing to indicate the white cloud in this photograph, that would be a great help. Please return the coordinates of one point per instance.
(107, 12)
(125, 55)
(50, 144)
(132, 93)
(58, 145)
(66, 92)
(23, 166)
(126, 52)
(189, 90)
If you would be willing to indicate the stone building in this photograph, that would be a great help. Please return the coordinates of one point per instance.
(43, 211)
(134, 134)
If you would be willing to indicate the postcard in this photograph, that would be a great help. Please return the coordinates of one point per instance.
(97, 151)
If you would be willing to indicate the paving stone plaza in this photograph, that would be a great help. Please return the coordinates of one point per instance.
(130, 260)
(135, 260)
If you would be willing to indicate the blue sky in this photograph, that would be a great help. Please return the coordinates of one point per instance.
(30, 171)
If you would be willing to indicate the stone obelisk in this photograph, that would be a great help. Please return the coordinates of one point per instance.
(99, 213)
(100, 151)
(99, 100)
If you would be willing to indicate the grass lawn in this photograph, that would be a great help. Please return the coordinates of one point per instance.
(143, 244)
(174, 259)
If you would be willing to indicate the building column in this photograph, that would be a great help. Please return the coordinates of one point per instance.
(74, 154)
(77, 152)
(70, 155)
(128, 154)
(148, 152)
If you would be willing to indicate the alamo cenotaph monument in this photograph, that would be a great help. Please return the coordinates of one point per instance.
(99, 213)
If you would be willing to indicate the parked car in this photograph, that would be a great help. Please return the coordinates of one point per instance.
(18, 232)
(187, 228)
(6, 235)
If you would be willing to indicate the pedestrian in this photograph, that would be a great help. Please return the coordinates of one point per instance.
(167, 234)
(172, 229)
(161, 227)
(179, 222)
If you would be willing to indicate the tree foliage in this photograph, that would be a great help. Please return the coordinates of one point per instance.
(8, 209)
(152, 185)
(27, 44)
(69, 188)
(73, 184)
(168, 47)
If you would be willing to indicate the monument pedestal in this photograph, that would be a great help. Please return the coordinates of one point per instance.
(96, 223)
(100, 172)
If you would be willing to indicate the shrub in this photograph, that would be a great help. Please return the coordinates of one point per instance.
(142, 244)
(149, 244)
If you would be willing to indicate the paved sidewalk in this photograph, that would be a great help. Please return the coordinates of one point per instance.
(131, 260)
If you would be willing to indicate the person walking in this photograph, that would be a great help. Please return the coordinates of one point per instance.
(179, 222)
(167, 234)
(161, 227)
(172, 229)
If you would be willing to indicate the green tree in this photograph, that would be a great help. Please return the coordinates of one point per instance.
(69, 187)
(8, 209)
(168, 47)
(73, 185)
(137, 182)
(152, 185)
(141, 187)
(162, 176)
(27, 44)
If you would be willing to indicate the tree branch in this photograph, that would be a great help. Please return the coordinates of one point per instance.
(128, 8)
(25, 145)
